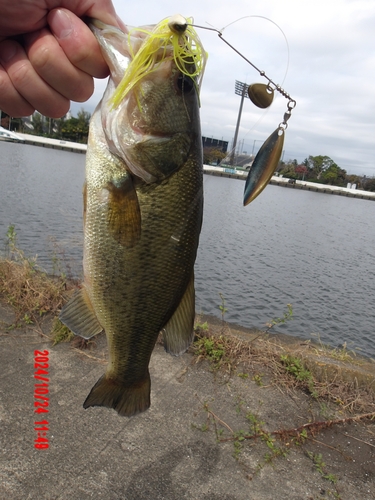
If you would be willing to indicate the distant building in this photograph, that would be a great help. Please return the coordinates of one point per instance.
(210, 142)
(244, 161)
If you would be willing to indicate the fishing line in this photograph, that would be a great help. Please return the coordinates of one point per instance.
(271, 86)
(262, 73)
(260, 119)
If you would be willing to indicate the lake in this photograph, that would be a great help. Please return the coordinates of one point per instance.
(312, 250)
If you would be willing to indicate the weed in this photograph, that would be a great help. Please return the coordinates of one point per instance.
(295, 367)
(275, 451)
(61, 265)
(300, 437)
(255, 425)
(340, 353)
(258, 379)
(222, 307)
(60, 332)
(26, 287)
(27, 319)
(287, 316)
(202, 428)
(317, 460)
(239, 405)
(325, 411)
(31, 292)
(201, 327)
(237, 444)
(256, 430)
(214, 349)
(11, 240)
(278, 442)
(285, 368)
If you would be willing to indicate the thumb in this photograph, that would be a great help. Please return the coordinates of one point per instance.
(78, 42)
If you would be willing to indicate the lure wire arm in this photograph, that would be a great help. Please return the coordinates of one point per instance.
(291, 102)
(268, 157)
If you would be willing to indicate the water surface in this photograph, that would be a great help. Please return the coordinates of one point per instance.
(315, 251)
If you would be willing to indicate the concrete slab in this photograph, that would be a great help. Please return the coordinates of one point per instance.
(171, 451)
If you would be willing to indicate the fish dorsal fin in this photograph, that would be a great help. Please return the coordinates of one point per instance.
(178, 333)
(79, 316)
(124, 214)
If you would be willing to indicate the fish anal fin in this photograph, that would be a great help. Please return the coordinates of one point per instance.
(79, 316)
(178, 333)
(126, 400)
(124, 214)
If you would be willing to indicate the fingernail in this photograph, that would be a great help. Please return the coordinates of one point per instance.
(61, 24)
(8, 50)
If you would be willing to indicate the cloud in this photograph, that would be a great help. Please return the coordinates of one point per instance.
(332, 60)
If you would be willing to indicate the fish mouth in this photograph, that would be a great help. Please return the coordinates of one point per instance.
(118, 46)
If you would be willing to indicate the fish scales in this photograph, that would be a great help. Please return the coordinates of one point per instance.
(158, 273)
(143, 204)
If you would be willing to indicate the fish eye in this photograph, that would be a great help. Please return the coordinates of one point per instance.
(185, 84)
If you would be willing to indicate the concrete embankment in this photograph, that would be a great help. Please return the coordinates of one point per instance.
(284, 182)
(211, 170)
(189, 444)
(45, 142)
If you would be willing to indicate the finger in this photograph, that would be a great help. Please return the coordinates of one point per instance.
(52, 65)
(11, 102)
(78, 42)
(28, 83)
(98, 9)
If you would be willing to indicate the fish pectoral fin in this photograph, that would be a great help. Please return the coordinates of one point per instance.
(178, 333)
(124, 214)
(127, 400)
(79, 315)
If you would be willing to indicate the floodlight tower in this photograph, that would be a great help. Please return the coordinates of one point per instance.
(240, 88)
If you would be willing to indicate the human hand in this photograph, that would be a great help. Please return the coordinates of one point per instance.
(48, 55)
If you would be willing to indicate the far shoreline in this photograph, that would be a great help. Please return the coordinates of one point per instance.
(225, 171)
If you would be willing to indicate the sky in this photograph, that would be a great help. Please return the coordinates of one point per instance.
(329, 69)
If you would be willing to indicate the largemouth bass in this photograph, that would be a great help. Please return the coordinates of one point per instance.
(143, 203)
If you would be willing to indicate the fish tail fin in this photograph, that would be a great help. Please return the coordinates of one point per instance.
(127, 400)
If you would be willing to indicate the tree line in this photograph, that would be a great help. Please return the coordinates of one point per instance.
(68, 128)
(321, 169)
(324, 170)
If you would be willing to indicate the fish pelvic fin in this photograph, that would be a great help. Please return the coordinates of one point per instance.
(127, 400)
(178, 333)
(79, 316)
